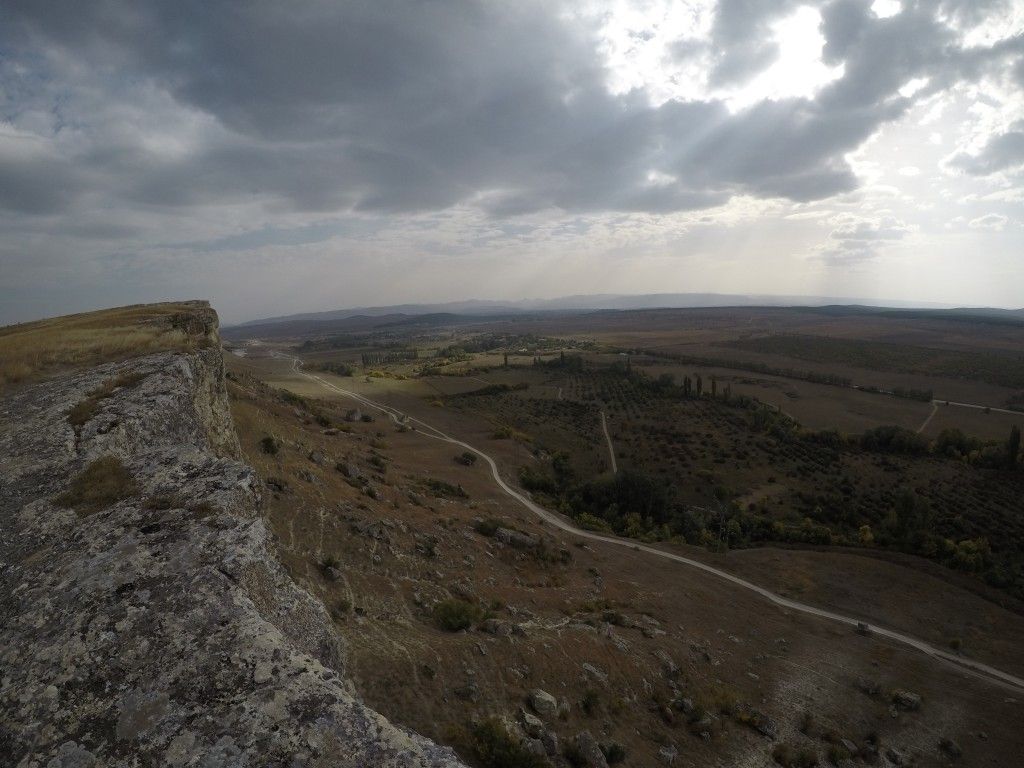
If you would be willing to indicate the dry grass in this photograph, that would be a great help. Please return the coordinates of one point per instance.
(104, 482)
(31, 350)
(85, 410)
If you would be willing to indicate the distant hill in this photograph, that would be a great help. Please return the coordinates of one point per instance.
(589, 302)
(463, 313)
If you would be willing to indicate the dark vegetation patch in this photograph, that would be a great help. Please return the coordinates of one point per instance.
(492, 746)
(456, 615)
(702, 465)
(84, 411)
(493, 389)
(339, 369)
(993, 366)
(444, 490)
(466, 458)
(104, 482)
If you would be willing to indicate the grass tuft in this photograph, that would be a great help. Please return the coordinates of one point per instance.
(104, 482)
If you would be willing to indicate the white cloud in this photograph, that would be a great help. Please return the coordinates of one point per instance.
(994, 221)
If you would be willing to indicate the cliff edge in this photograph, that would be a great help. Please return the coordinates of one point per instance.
(144, 618)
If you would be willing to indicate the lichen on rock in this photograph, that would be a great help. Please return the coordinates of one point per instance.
(161, 629)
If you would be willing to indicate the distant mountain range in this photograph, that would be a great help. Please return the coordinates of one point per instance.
(592, 302)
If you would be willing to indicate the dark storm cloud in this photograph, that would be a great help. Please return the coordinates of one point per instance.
(37, 185)
(741, 38)
(383, 106)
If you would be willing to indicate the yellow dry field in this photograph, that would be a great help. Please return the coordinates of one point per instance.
(32, 350)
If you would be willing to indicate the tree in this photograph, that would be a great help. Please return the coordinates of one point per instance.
(911, 514)
(714, 387)
(867, 538)
(700, 385)
(1013, 447)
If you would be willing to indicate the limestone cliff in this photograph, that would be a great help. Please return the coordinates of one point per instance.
(160, 630)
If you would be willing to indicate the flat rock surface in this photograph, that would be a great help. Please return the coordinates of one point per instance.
(161, 630)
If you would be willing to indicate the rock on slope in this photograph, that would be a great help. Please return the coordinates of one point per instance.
(161, 630)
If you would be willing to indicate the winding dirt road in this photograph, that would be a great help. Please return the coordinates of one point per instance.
(975, 668)
(608, 439)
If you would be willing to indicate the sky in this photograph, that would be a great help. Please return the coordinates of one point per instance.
(289, 157)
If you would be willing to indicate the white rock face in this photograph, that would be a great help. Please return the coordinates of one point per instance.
(163, 636)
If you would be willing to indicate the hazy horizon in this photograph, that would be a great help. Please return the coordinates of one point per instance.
(287, 160)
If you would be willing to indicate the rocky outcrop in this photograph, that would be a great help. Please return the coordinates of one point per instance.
(160, 629)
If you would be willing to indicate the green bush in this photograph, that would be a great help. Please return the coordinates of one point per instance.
(269, 445)
(455, 615)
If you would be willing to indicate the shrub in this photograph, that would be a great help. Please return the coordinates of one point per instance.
(486, 527)
(327, 562)
(613, 752)
(495, 747)
(466, 458)
(455, 615)
(588, 522)
(292, 399)
(893, 439)
(574, 755)
(445, 490)
(104, 482)
(789, 757)
(269, 445)
(591, 702)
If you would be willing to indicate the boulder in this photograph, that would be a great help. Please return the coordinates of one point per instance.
(497, 627)
(534, 747)
(543, 703)
(350, 470)
(594, 673)
(533, 726)
(668, 667)
(906, 700)
(550, 742)
(590, 751)
(515, 539)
